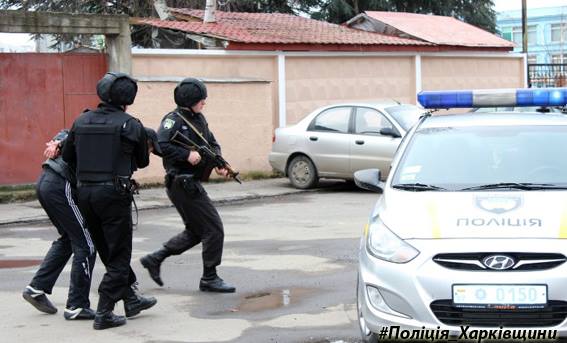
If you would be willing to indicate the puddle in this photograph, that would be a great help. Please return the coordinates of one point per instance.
(19, 263)
(271, 300)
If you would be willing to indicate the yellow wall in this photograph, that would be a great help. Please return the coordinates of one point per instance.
(242, 107)
(471, 73)
(312, 82)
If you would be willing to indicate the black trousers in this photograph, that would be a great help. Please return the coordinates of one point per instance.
(202, 223)
(58, 199)
(108, 213)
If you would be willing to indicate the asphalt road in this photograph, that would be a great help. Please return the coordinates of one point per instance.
(293, 260)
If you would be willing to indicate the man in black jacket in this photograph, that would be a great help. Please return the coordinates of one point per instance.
(107, 145)
(185, 168)
(57, 195)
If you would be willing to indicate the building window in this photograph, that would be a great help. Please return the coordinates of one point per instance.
(559, 58)
(559, 32)
(517, 35)
(532, 59)
(507, 35)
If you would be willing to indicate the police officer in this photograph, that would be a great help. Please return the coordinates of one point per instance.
(107, 145)
(185, 168)
(57, 195)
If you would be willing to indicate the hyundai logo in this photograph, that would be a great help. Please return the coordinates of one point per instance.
(498, 204)
(498, 262)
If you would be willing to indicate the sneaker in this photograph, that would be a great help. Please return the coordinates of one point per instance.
(78, 313)
(39, 300)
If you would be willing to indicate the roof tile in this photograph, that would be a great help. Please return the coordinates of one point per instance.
(275, 28)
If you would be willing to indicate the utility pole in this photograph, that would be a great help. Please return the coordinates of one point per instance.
(210, 8)
(524, 27)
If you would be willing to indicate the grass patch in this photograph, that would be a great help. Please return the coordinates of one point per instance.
(247, 176)
(17, 193)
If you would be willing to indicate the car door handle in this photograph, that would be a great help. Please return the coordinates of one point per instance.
(313, 138)
(359, 142)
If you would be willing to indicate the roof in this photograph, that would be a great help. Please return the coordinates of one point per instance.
(274, 28)
(439, 30)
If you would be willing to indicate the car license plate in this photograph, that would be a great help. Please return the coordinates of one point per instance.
(495, 295)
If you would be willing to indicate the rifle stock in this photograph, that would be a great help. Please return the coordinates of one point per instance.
(217, 159)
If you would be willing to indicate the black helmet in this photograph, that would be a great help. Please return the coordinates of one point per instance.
(117, 89)
(189, 92)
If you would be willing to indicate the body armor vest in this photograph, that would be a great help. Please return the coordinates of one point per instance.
(100, 153)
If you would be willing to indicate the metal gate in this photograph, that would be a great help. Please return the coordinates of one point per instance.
(547, 75)
(39, 95)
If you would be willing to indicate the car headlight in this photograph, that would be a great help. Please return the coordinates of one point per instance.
(385, 245)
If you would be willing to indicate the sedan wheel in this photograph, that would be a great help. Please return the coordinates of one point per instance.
(302, 173)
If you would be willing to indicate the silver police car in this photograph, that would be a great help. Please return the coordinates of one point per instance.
(471, 228)
(335, 141)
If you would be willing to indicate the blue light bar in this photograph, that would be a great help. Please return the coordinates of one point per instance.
(522, 97)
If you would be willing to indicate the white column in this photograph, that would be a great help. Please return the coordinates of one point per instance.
(281, 91)
(417, 76)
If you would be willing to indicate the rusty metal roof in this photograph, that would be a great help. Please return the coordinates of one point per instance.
(440, 30)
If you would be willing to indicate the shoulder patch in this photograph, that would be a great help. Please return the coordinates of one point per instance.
(168, 123)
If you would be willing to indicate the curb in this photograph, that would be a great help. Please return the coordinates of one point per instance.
(223, 201)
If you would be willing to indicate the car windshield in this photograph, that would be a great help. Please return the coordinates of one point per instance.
(406, 115)
(503, 157)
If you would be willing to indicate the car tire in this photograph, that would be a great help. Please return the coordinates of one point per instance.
(302, 172)
(365, 333)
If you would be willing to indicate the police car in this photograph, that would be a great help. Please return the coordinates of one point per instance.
(471, 228)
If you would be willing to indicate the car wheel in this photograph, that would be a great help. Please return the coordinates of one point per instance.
(302, 172)
(367, 335)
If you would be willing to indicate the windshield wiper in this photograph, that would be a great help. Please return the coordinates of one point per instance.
(525, 186)
(417, 187)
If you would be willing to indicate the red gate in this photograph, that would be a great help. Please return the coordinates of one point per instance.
(41, 94)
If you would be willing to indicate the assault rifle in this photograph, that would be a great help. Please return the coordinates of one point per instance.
(204, 150)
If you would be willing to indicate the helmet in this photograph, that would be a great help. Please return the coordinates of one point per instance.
(189, 92)
(117, 89)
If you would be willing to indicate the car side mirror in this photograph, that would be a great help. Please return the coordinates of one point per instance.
(389, 131)
(369, 179)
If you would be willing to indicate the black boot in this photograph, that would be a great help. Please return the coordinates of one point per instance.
(134, 303)
(104, 318)
(216, 285)
(153, 261)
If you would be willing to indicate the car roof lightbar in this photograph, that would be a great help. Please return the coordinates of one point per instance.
(520, 97)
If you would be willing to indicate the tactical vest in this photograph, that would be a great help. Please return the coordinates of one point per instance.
(100, 155)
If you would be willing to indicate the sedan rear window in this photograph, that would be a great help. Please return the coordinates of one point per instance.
(334, 119)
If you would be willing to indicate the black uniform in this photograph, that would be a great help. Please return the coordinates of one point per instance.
(107, 145)
(103, 193)
(183, 185)
(184, 189)
(57, 195)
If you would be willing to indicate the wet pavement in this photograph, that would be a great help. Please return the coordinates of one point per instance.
(292, 258)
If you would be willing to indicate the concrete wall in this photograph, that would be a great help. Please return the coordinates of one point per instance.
(240, 105)
(468, 72)
(312, 82)
(243, 106)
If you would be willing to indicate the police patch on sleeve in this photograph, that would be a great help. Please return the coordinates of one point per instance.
(168, 123)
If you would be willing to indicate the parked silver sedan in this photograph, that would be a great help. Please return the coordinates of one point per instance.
(335, 141)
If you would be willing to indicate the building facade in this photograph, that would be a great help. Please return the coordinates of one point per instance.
(547, 33)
